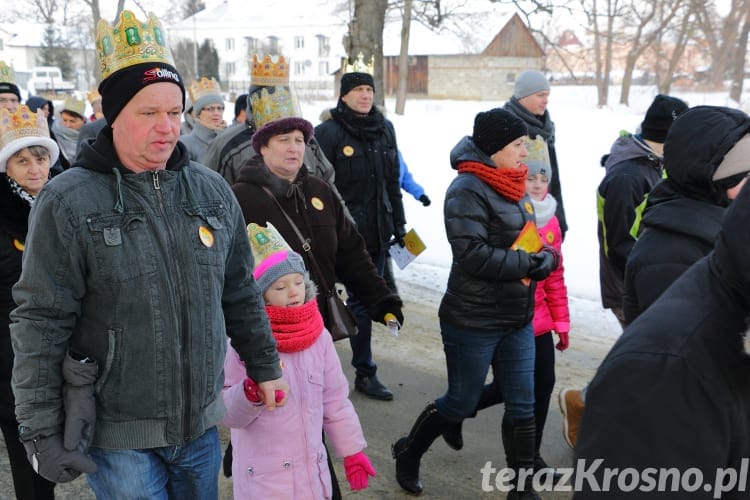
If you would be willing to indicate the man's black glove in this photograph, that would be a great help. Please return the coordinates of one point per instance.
(392, 306)
(78, 401)
(399, 234)
(541, 265)
(425, 200)
(52, 461)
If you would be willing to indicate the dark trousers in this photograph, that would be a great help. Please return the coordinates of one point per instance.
(361, 343)
(544, 383)
(28, 484)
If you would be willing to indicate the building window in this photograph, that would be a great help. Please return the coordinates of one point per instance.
(252, 44)
(324, 46)
(299, 68)
(230, 69)
(230, 43)
(322, 68)
(510, 77)
(2, 45)
(273, 45)
(299, 42)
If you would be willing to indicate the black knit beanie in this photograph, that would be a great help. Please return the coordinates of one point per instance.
(10, 88)
(495, 129)
(355, 79)
(120, 87)
(660, 116)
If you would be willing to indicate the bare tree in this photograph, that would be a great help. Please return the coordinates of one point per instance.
(366, 36)
(738, 64)
(403, 60)
(721, 34)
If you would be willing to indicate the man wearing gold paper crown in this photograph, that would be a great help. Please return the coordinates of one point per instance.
(361, 144)
(208, 109)
(140, 262)
(10, 95)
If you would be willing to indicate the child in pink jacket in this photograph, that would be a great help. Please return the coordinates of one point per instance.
(280, 453)
(551, 298)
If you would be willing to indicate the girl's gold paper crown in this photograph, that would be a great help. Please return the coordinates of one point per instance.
(72, 103)
(265, 241)
(266, 71)
(204, 87)
(359, 65)
(131, 42)
(22, 123)
(7, 74)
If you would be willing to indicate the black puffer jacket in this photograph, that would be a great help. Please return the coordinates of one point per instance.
(364, 153)
(684, 211)
(14, 215)
(674, 391)
(485, 291)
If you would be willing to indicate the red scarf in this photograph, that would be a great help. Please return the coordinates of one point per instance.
(508, 182)
(295, 328)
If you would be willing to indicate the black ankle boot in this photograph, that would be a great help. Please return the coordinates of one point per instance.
(540, 464)
(519, 443)
(453, 437)
(408, 450)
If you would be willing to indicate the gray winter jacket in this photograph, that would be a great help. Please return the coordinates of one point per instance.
(146, 273)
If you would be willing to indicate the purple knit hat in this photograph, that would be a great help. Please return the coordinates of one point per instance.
(281, 126)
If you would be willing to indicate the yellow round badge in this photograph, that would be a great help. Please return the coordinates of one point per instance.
(19, 245)
(348, 150)
(206, 236)
(317, 203)
(529, 208)
(550, 237)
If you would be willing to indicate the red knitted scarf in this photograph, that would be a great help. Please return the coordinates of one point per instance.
(509, 182)
(295, 328)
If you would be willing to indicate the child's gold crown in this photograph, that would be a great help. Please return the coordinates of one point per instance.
(266, 71)
(204, 87)
(359, 65)
(265, 241)
(22, 123)
(131, 42)
(7, 74)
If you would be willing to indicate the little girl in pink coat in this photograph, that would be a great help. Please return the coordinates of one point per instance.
(280, 453)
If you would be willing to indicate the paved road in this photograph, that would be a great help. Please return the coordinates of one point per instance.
(412, 366)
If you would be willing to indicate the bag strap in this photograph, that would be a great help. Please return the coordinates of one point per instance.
(305, 242)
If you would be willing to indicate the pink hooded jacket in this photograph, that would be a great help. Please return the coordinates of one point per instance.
(551, 298)
(280, 454)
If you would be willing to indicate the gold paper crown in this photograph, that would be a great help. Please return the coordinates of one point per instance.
(265, 241)
(269, 72)
(268, 106)
(72, 103)
(131, 42)
(537, 150)
(359, 65)
(7, 75)
(93, 95)
(204, 87)
(22, 123)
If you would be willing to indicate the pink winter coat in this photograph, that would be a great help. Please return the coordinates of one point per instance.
(280, 454)
(551, 298)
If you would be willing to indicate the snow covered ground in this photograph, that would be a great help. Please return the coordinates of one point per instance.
(430, 128)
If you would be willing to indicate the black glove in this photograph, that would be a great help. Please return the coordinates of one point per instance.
(399, 234)
(79, 402)
(541, 265)
(53, 462)
(392, 306)
(425, 200)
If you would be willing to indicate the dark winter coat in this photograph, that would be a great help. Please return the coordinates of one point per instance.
(484, 291)
(364, 154)
(674, 391)
(684, 212)
(14, 214)
(545, 127)
(632, 170)
(338, 248)
(146, 273)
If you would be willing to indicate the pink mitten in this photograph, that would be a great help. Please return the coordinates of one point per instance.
(357, 468)
(252, 391)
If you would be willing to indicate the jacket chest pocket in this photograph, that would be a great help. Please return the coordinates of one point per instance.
(123, 246)
(208, 231)
(352, 166)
